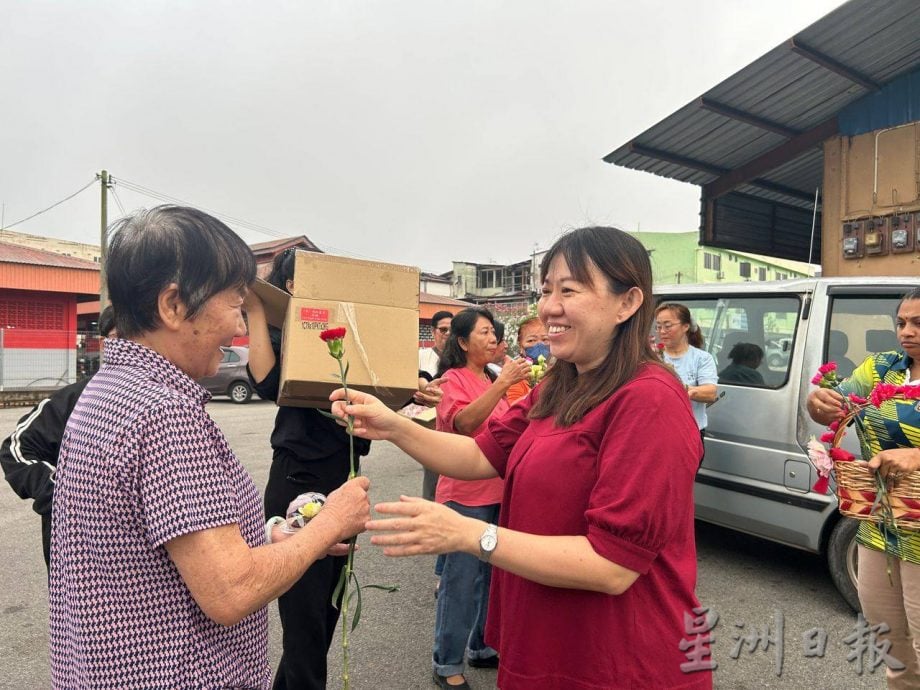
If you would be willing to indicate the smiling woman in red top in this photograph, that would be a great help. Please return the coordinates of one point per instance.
(595, 560)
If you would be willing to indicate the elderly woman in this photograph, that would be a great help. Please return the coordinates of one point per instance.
(594, 563)
(160, 574)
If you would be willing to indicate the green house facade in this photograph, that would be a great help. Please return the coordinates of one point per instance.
(677, 257)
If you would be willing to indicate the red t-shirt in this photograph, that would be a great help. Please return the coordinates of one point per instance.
(622, 476)
(461, 387)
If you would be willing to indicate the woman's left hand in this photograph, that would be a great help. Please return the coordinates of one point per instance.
(896, 462)
(419, 527)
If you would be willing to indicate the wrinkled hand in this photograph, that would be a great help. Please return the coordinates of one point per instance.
(896, 462)
(513, 371)
(279, 534)
(372, 419)
(430, 394)
(418, 527)
(348, 507)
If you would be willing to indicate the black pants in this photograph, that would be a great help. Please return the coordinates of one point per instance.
(46, 541)
(308, 618)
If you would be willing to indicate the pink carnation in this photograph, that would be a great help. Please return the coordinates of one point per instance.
(817, 379)
(857, 399)
(827, 368)
(827, 437)
(820, 458)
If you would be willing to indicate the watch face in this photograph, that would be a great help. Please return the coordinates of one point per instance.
(487, 543)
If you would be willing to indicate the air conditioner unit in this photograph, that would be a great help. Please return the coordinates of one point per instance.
(720, 275)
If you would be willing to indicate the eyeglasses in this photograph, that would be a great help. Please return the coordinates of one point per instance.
(664, 326)
(443, 330)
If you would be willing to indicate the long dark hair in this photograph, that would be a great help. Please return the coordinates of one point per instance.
(624, 262)
(461, 326)
(694, 333)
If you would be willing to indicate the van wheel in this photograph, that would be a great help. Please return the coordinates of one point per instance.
(841, 560)
(240, 392)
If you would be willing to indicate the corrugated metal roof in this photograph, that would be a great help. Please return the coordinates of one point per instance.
(877, 41)
(18, 254)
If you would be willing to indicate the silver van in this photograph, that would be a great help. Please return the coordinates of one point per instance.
(756, 476)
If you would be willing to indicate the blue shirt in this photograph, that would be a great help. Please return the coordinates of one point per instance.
(696, 368)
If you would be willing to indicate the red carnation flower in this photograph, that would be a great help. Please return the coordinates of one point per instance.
(332, 334)
(841, 455)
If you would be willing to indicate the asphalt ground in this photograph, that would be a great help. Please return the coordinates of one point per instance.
(747, 581)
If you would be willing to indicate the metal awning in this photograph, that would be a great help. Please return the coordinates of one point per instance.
(759, 132)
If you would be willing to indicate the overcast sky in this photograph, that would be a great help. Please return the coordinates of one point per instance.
(414, 131)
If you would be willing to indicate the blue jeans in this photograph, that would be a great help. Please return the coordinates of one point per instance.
(463, 600)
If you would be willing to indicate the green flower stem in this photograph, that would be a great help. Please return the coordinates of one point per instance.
(349, 563)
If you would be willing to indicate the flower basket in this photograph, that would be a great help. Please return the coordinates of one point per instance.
(857, 489)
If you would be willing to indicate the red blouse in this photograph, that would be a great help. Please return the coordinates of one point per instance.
(622, 476)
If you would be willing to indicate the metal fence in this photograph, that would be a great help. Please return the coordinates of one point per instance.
(46, 359)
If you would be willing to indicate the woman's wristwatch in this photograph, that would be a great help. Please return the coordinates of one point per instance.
(487, 543)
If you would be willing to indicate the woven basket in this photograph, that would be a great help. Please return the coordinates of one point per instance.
(856, 490)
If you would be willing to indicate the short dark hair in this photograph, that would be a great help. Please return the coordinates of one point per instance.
(746, 354)
(106, 321)
(171, 244)
(438, 315)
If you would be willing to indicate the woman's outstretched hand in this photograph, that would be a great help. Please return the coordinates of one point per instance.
(417, 526)
(372, 419)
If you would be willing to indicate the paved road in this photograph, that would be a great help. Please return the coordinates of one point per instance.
(745, 580)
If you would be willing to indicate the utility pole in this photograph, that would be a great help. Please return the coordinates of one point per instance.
(103, 177)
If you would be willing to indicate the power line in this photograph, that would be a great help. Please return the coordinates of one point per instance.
(117, 200)
(140, 189)
(35, 215)
(230, 220)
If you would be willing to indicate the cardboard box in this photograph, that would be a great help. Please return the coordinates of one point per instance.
(376, 303)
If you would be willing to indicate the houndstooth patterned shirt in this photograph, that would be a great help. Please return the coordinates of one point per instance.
(141, 463)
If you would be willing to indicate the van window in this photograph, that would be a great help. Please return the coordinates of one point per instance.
(860, 326)
(750, 336)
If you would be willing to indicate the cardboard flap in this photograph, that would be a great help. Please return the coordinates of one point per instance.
(274, 300)
(344, 279)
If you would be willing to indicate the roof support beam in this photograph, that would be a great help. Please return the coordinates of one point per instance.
(748, 118)
(784, 190)
(750, 171)
(831, 64)
(669, 157)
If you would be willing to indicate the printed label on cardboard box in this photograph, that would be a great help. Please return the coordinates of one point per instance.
(311, 314)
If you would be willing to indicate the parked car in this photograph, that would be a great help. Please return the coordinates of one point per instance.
(231, 378)
(778, 353)
(756, 476)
